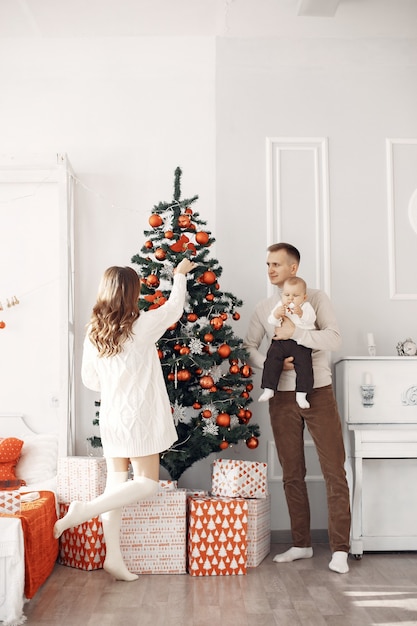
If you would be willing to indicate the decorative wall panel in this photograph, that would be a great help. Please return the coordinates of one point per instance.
(402, 217)
(298, 203)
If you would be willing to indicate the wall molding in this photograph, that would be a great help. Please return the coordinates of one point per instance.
(315, 170)
(274, 467)
(395, 215)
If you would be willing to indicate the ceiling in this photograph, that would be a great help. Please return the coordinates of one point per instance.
(211, 18)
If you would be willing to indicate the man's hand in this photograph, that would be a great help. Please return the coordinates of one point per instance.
(288, 363)
(286, 330)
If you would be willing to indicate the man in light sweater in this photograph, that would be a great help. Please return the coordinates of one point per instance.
(288, 418)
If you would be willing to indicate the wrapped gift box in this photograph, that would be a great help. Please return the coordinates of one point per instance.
(81, 478)
(168, 484)
(197, 493)
(152, 537)
(154, 533)
(259, 529)
(9, 502)
(239, 479)
(217, 536)
(83, 546)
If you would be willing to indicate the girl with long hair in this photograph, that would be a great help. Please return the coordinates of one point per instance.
(120, 360)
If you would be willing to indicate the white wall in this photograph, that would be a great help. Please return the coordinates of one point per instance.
(129, 110)
(356, 93)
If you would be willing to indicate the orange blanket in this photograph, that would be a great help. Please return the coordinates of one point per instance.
(41, 549)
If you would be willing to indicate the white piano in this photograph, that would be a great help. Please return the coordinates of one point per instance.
(377, 399)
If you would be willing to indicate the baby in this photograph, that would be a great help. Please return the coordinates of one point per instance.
(294, 305)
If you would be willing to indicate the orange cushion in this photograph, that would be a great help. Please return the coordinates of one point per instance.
(10, 449)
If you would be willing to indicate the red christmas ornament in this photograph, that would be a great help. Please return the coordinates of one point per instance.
(182, 245)
(202, 238)
(224, 350)
(188, 211)
(216, 323)
(183, 375)
(206, 382)
(155, 220)
(234, 369)
(185, 350)
(192, 317)
(209, 297)
(184, 221)
(223, 444)
(152, 280)
(208, 337)
(252, 442)
(206, 414)
(246, 371)
(208, 277)
(160, 254)
(223, 419)
(196, 405)
(156, 299)
(223, 316)
(148, 245)
(236, 316)
(160, 354)
(2, 324)
(168, 234)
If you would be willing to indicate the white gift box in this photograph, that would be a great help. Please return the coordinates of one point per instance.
(80, 478)
(10, 502)
(152, 537)
(197, 493)
(259, 530)
(168, 484)
(154, 532)
(239, 479)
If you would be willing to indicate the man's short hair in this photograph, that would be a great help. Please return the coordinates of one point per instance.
(290, 249)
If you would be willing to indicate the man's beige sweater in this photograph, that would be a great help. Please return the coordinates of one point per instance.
(323, 340)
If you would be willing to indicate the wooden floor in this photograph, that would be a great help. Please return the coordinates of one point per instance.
(380, 589)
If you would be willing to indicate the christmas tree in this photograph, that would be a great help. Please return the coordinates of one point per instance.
(203, 361)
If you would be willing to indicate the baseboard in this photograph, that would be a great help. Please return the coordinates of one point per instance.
(318, 535)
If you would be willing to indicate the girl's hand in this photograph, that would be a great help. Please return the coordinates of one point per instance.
(185, 266)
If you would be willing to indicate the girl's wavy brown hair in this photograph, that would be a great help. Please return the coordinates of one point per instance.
(115, 311)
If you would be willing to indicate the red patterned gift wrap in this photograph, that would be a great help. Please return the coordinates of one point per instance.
(82, 546)
(259, 529)
(152, 536)
(217, 536)
(239, 479)
(9, 502)
(81, 478)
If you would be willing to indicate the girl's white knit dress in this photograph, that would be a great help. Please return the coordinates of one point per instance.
(135, 411)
